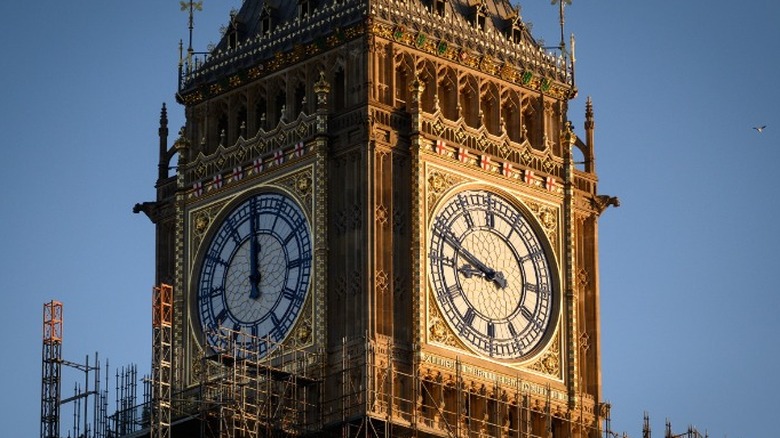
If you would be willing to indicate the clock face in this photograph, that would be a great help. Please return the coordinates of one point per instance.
(255, 272)
(491, 275)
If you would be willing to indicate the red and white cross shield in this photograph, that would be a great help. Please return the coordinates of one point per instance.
(484, 162)
(440, 149)
(529, 177)
(463, 156)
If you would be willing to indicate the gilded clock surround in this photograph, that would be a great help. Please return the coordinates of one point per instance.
(442, 183)
(297, 183)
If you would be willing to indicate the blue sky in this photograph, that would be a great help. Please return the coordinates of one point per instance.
(688, 262)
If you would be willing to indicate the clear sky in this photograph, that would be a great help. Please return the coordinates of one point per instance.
(689, 261)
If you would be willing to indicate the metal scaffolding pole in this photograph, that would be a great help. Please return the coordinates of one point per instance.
(51, 369)
(162, 320)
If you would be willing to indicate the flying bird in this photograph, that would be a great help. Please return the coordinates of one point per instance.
(760, 129)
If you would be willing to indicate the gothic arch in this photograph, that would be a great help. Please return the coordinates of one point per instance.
(489, 107)
(404, 75)
(469, 100)
(426, 73)
(511, 114)
(448, 93)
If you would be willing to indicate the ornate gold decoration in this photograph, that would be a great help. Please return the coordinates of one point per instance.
(202, 222)
(438, 183)
(437, 329)
(303, 184)
(487, 65)
(582, 277)
(381, 281)
(380, 213)
(303, 333)
(550, 362)
(547, 218)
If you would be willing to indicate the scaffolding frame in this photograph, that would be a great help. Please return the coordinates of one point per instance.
(162, 358)
(249, 391)
(51, 369)
(385, 391)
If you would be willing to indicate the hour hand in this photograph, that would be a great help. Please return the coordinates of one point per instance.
(483, 271)
(468, 271)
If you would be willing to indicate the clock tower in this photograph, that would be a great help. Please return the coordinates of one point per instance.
(377, 227)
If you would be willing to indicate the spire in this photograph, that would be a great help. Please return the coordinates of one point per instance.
(163, 133)
(590, 125)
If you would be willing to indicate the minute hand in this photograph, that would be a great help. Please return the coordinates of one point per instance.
(254, 274)
(490, 274)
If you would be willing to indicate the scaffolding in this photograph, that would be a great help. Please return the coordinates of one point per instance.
(252, 387)
(51, 369)
(162, 357)
(380, 390)
(89, 403)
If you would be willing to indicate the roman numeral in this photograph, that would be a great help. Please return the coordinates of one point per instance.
(530, 317)
(289, 294)
(490, 218)
(221, 316)
(453, 292)
(443, 260)
(468, 318)
(536, 255)
(214, 257)
(463, 203)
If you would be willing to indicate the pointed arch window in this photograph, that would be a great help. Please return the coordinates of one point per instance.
(480, 15)
(266, 20)
(305, 8)
(439, 7)
(516, 27)
(233, 29)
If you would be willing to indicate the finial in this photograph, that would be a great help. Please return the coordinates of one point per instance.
(588, 107)
(192, 6)
(561, 3)
(181, 144)
(416, 88)
(589, 119)
(322, 86)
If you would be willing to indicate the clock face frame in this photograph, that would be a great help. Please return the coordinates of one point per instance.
(255, 272)
(492, 273)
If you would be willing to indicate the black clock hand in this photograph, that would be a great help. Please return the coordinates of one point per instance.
(488, 273)
(254, 249)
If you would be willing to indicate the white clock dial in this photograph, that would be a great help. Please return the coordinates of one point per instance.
(492, 276)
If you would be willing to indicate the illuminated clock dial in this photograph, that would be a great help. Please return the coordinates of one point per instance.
(255, 272)
(491, 275)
